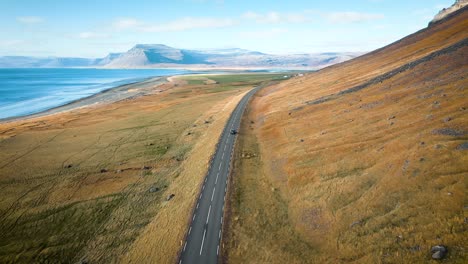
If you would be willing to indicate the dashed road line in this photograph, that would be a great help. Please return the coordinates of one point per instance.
(203, 241)
(208, 216)
(214, 189)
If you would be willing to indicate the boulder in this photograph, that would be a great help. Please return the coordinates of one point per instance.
(438, 252)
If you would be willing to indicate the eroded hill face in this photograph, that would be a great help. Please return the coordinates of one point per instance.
(369, 157)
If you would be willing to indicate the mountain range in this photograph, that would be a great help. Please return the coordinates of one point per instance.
(162, 56)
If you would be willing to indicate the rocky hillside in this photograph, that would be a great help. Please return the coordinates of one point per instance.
(361, 162)
(459, 4)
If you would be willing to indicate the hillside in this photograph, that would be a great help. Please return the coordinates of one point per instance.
(162, 56)
(361, 162)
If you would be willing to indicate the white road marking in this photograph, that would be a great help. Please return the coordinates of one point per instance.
(222, 157)
(225, 146)
(190, 230)
(193, 218)
(198, 205)
(221, 220)
(201, 194)
(208, 216)
(180, 261)
(219, 234)
(217, 251)
(203, 187)
(220, 166)
(216, 178)
(213, 193)
(185, 245)
(203, 241)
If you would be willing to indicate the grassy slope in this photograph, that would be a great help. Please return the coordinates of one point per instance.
(366, 177)
(50, 211)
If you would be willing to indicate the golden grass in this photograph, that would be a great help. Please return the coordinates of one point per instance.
(364, 177)
(74, 186)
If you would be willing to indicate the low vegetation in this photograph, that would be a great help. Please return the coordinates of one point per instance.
(93, 183)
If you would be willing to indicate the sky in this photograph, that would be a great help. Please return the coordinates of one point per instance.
(94, 28)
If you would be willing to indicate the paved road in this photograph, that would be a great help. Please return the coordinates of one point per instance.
(203, 240)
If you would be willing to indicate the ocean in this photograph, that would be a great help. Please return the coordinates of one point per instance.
(28, 91)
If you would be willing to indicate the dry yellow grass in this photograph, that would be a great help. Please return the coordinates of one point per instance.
(75, 187)
(372, 176)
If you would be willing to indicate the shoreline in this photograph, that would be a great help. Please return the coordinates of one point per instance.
(110, 95)
(118, 93)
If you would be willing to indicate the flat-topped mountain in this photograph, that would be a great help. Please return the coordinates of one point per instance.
(162, 56)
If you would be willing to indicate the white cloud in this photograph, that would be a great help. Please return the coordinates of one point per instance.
(351, 17)
(126, 23)
(91, 35)
(183, 24)
(276, 17)
(262, 34)
(30, 20)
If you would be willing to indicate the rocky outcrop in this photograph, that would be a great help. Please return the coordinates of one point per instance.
(459, 4)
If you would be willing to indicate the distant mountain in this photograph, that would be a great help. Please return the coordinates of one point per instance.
(161, 56)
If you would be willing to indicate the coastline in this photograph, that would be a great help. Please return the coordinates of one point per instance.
(110, 95)
(118, 93)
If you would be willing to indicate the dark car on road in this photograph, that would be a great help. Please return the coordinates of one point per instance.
(233, 132)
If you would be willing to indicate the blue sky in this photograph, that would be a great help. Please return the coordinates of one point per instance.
(93, 28)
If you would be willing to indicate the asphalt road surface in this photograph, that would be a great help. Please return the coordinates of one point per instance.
(202, 244)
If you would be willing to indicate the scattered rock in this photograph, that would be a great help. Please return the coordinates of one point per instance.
(391, 123)
(355, 223)
(252, 122)
(449, 193)
(194, 125)
(447, 119)
(302, 140)
(189, 133)
(207, 122)
(422, 159)
(462, 146)
(166, 147)
(247, 155)
(146, 168)
(170, 196)
(415, 248)
(436, 103)
(438, 252)
(119, 171)
(392, 117)
(103, 170)
(69, 166)
(422, 143)
(323, 132)
(449, 132)
(153, 189)
(462, 108)
(438, 146)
